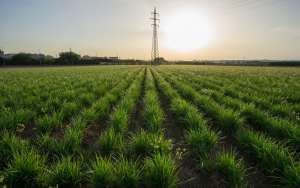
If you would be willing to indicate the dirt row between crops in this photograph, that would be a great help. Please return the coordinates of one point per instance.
(189, 174)
(136, 119)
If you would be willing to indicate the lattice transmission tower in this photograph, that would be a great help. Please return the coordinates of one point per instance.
(155, 25)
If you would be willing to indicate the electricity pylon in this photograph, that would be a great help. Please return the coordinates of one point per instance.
(155, 25)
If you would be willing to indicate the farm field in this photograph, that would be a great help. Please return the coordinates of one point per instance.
(142, 126)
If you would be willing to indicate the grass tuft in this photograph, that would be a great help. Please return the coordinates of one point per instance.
(110, 142)
(47, 123)
(291, 176)
(47, 144)
(231, 168)
(24, 170)
(273, 155)
(102, 173)
(201, 142)
(160, 171)
(71, 141)
(66, 173)
(127, 173)
(119, 120)
(89, 115)
(10, 144)
(69, 110)
(153, 114)
(143, 144)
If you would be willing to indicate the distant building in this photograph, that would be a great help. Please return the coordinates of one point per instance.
(99, 60)
(1, 53)
(86, 57)
(114, 58)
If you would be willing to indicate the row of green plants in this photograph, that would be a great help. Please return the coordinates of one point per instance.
(40, 86)
(141, 155)
(60, 101)
(147, 152)
(160, 166)
(277, 128)
(28, 169)
(272, 155)
(275, 84)
(68, 171)
(276, 104)
(49, 122)
(153, 114)
(149, 138)
(27, 165)
(74, 133)
(112, 140)
(202, 141)
(233, 89)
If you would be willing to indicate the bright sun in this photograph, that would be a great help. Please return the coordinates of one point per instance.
(186, 32)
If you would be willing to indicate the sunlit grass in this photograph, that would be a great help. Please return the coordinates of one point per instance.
(160, 171)
(24, 169)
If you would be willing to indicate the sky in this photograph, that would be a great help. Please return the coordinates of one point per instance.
(189, 29)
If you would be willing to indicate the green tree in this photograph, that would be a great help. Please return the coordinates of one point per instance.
(22, 59)
(68, 58)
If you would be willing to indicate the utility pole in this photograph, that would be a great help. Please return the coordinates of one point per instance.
(155, 25)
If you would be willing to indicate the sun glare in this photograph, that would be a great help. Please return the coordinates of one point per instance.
(188, 31)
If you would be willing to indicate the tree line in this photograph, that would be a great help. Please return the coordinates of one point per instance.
(72, 58)
(65, 58)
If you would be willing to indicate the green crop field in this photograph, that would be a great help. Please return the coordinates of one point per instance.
(141, 126)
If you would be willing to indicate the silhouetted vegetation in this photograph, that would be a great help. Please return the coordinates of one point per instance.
(1, 61)
(25, 59)
(72, 58)
(22, 59)
(69, 58)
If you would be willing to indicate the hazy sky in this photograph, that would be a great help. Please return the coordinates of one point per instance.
(237, 29)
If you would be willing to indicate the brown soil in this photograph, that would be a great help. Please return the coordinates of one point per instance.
(29, 132)
(59, 132)
(92, 134)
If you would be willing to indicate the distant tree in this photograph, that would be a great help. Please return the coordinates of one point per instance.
(1, 58)
(68, 58)
(23, 59)
(1, 61)
(159, 60)
(48, 60)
